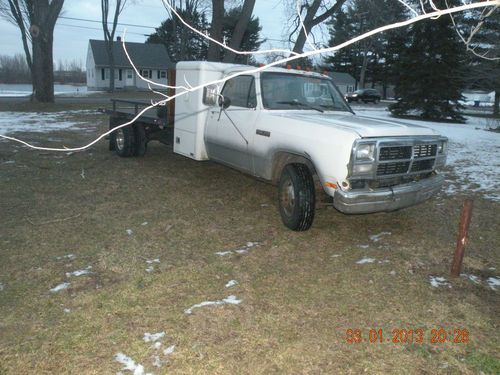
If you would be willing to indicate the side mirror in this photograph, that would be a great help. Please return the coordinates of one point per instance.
(224, 102)
(210, 95)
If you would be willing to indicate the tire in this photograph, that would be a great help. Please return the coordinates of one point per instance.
(141, 141)
(296, 198)
(124, 141)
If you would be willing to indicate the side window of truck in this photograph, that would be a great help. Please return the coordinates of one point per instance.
(241, 91)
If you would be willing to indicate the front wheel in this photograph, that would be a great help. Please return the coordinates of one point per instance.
(296, 197)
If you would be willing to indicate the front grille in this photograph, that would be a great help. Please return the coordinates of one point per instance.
(396, 160)
(424, 151)
(393, 168)
(422, 165)
(395, 153)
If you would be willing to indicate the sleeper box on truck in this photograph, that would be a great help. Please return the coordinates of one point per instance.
(287, 126)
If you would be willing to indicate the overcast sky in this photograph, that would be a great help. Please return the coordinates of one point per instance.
(71, 40)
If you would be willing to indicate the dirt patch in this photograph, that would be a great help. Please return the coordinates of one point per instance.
(300, 292)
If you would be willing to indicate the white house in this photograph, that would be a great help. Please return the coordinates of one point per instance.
(151, 60)
(344, 81)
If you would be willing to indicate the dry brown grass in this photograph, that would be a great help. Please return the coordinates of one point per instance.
(298, 300)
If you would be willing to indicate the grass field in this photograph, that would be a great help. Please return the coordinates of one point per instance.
(147, 233)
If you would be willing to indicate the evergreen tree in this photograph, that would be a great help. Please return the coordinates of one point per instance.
(369, 59)
(484, 63)
(250, 41)
(430, 72)
(183, 44)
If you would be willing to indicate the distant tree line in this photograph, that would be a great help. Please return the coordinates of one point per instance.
(14, 69)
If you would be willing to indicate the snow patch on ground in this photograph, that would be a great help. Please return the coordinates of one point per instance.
(473, 278)
(69, 256)
(378, 237)
(129, 232)
(366, 260)
(151, 262)
(493, 282)
(472, 152)
(242, 250)
(60, 287)
(335, 255)
(153, 337)
(67, 311)
(231, 283)
(85, 271)
(41, 122)
(231, 300)
(169, 350)
(437, 281)
(2, 287)
(130, 365)
(364, 246)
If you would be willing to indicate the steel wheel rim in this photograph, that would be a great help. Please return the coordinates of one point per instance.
(288, 197)
(120, 139)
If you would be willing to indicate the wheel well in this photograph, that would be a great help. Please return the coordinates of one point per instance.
(282, 159)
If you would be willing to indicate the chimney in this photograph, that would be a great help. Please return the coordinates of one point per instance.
(118, 38)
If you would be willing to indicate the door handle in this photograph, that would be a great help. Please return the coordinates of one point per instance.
(264, 133)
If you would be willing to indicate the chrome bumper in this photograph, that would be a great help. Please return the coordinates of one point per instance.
(387, 199)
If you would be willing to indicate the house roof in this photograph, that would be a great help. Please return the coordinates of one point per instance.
(144, 55)
(342, 78)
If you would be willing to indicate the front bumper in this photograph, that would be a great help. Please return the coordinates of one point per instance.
(387, 199)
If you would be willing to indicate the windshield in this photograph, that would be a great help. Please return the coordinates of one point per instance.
(294, 91)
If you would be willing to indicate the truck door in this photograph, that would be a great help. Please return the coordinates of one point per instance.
(229, 132)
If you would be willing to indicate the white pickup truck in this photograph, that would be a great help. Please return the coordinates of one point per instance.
(294, 129)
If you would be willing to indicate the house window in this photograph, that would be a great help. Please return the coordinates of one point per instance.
(161, 74)
(129, 74)
(146, 73)
(103, 74)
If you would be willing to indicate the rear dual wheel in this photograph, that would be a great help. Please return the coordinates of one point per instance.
(129, 141)
(296, 197)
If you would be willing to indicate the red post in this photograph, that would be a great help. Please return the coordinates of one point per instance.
(456, 265)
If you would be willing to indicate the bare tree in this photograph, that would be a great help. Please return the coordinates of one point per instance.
(239, 30)
(109, 35)
(217, 26)
(316, 12)
(214, 51)
(36, 20)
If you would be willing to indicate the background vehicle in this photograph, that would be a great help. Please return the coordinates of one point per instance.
(287, 127)
(365, 95)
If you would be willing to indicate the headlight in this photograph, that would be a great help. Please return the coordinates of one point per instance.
(365, 152)
(358, 169)
(354, 95)
(442, 146)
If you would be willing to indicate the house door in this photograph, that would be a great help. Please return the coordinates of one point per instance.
(129, 79)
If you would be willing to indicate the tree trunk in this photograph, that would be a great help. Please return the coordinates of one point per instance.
(308, 24)
(310, 21)
(216, 30)
(239, 30)
(362, 74)
(43, 69)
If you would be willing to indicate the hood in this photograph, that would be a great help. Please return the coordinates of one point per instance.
(363, 126)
